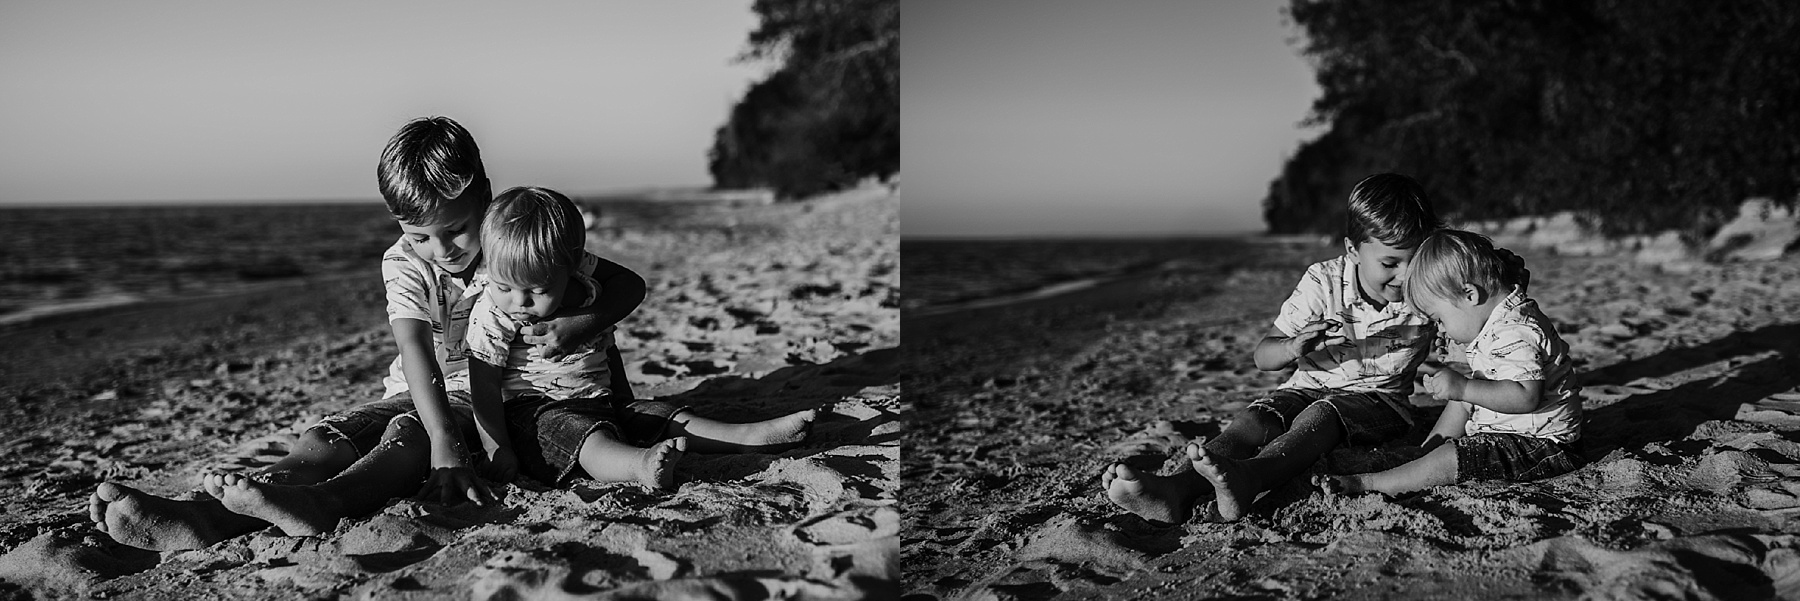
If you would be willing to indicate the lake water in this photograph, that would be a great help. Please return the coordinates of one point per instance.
(938, 275)
(67, 258)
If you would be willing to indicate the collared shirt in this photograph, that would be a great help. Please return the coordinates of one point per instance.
(493, 337)
(1384, 345)
(418, 289)
(1518, 342)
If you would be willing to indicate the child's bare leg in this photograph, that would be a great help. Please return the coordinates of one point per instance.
(316, 457)
(605, 459)
(1436, 468)
(1172, 498)
(713, 436)
(1236, 483)
(139, 519)
(394, 468)
(1249, 430)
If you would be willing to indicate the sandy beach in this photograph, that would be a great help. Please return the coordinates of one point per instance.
(1692, 489)
(753, 312)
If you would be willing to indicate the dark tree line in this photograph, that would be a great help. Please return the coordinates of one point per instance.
(1640, 115)
(830, 116)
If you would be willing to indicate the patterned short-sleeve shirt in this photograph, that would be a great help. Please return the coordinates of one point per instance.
(493, 338)
(1520, 343)
(419, 289)
(1383, 345)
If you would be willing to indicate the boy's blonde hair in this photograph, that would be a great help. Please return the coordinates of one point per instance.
(428, 163)
(532, 236)
(1391, 208)
(1448, 258)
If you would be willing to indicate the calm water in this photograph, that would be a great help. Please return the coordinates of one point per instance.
(54, 259)
(936, 273)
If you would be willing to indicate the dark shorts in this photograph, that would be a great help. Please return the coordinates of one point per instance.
(547, 434)
(1515, 457)
(1367, 417)
(365, 424)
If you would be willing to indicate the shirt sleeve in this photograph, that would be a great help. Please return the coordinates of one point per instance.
(1514, 352)
(490, 333)
(1307, 304)
(408, 292)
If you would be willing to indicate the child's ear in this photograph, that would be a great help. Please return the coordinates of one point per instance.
(1350, 249)
(1473, 294)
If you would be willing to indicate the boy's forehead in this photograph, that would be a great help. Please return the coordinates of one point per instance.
(1380, 250)
(450, 213)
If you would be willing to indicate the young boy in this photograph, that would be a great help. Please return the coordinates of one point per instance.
(1520, 416)
(1356, 343)
(554, 416)
(432, 178)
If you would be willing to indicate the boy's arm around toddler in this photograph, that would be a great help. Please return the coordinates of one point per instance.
(621, 292)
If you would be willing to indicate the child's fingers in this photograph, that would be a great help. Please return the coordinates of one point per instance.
(479, 494)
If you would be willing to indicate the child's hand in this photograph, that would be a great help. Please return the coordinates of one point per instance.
(501, 465)
(1443, 383)
(1315, 336)
(453, 485)
(554, 338)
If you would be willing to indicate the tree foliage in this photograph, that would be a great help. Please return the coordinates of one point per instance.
(830, 115)
(1639, 115)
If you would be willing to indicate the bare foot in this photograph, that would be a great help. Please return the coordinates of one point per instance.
(139, 519)
(296, 510)
(769, 435)
(656, 467)
(1233, 490)
(1160, 499)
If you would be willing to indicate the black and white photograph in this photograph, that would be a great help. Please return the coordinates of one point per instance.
(416, 300)
(1317, 299)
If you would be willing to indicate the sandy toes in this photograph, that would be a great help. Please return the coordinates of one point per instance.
(656, 467)
(1156, 498)
(296, 510)
(133, 517)
(1232, 489)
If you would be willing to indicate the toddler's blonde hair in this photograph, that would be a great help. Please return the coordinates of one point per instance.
(532, 236)
(1448, 258)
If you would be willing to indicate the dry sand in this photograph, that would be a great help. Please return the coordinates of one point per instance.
(1685, 497)
(753, 312)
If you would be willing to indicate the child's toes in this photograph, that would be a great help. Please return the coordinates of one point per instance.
(1196, 449)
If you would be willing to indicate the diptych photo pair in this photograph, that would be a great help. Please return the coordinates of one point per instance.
(1274, 299)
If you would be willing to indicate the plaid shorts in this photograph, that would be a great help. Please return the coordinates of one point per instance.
(547, 433)
(1367, 417)
(1515, 457)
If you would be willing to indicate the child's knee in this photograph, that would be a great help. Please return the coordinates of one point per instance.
(322, 437)
(1263, 420)
(405, 427)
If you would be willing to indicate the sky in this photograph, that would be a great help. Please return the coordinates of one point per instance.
(193, 101)
(1032, 118)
